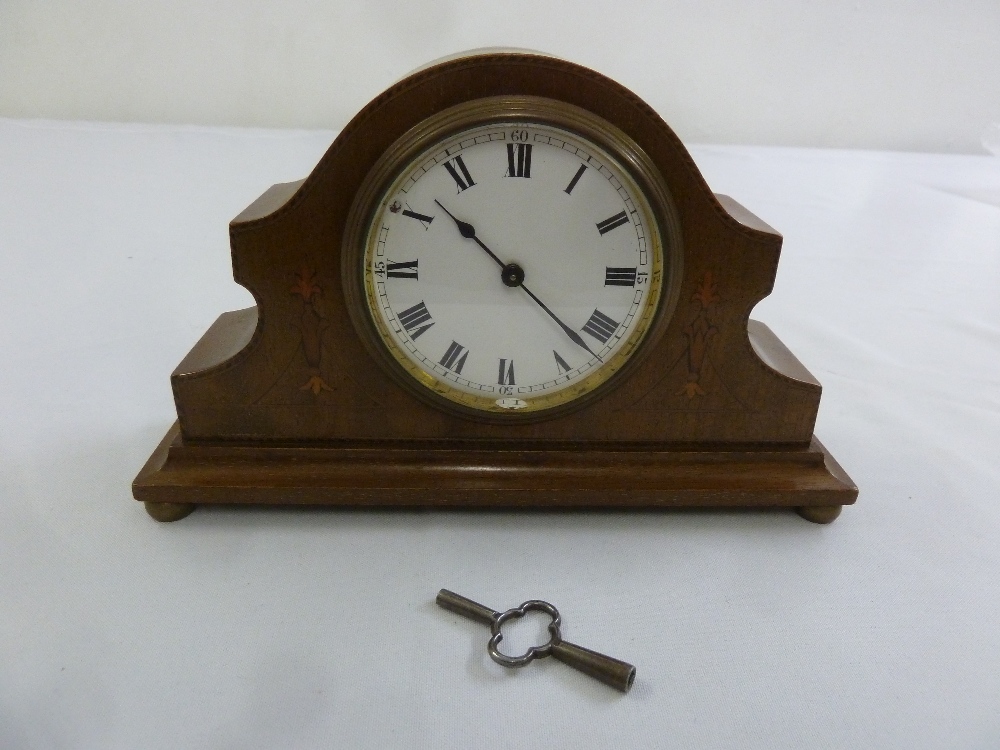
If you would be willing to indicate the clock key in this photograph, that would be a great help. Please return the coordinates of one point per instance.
(610, 671)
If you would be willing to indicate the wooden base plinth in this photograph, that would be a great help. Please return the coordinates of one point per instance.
(179, 476)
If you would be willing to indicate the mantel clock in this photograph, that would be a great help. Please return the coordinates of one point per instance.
(505, 285)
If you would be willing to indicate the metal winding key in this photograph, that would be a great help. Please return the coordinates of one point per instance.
(617, 674)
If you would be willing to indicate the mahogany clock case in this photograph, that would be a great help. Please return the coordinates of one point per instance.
(284, 403)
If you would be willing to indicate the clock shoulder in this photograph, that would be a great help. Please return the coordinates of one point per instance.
(300, 366)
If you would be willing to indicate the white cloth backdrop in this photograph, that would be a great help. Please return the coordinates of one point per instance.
(259, 628)
(920, 75)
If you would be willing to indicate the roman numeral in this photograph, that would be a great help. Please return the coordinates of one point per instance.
(463, 180)
(425, 220)
(521, 167)
(619, 276)
(615, 221)
(561, 364)
(506, 376)
(576, 179)
(451, 357)
(407, 270)
(600, 326)
(413, 319)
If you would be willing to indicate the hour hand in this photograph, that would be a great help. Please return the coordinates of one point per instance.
(469, 232)
(464, 228)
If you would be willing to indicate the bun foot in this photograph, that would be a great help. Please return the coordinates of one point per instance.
(167, 512)
(819, 513)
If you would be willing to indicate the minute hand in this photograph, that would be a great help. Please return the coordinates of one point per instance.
(573, 335)
(469, 232)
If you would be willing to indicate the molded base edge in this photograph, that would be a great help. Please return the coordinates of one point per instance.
(807, 479)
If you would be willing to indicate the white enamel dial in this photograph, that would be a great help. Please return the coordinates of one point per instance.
(513, 267)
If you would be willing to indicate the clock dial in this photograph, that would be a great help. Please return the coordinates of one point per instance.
(513, 266)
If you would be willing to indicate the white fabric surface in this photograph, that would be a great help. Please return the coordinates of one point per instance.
(256, 628)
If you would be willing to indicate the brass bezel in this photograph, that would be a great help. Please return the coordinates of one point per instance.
(380, 184)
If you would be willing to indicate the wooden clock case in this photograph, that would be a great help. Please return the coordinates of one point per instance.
(283, 403)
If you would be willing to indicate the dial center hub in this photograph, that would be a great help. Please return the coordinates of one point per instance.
(512, 275)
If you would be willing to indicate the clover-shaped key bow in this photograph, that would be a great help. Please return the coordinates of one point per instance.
(613, 672)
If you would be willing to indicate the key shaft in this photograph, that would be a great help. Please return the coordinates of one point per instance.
(618, 674)
(460, 605)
